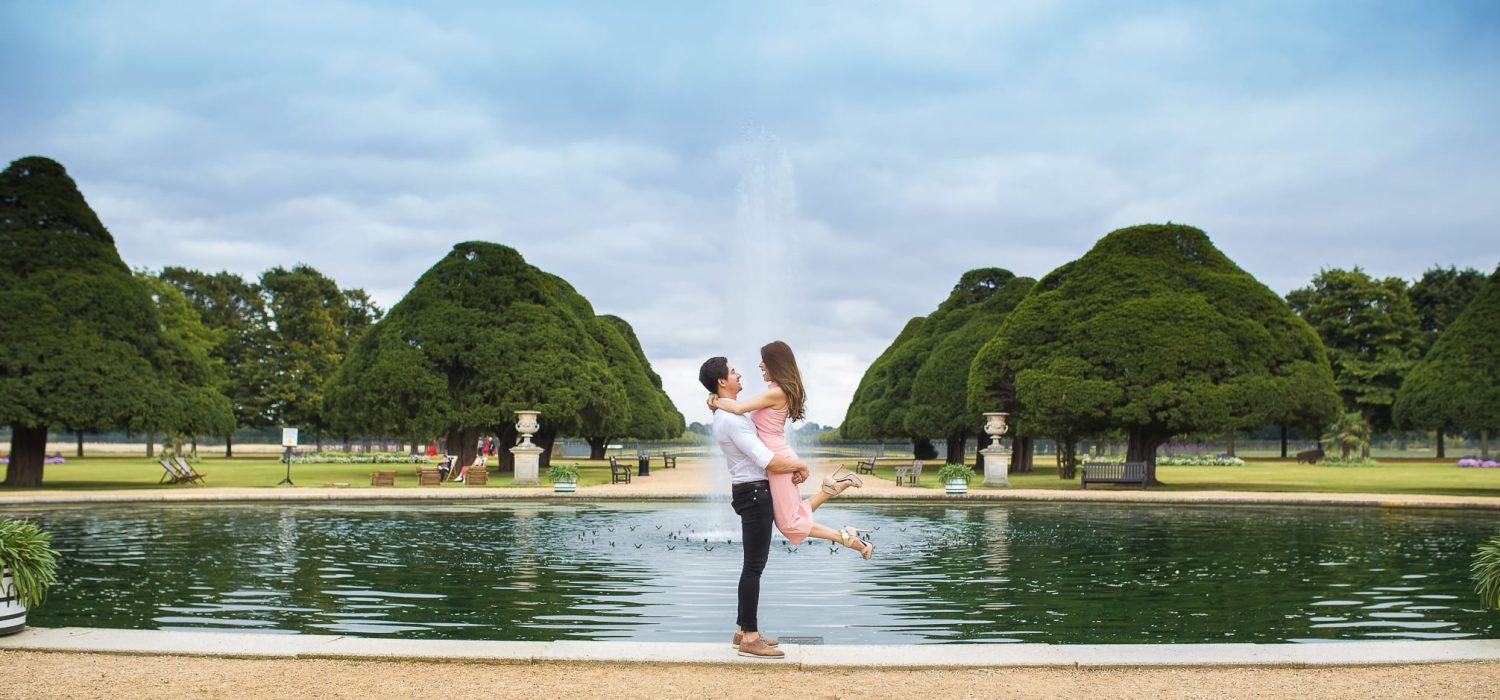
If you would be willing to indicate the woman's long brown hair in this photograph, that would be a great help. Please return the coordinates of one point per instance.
(782, 366)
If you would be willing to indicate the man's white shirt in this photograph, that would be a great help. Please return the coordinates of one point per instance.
(744, 453)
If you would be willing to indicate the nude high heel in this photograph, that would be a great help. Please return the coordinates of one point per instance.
(851, 535)
(833, 484)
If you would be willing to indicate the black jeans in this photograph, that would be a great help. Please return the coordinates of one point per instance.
(753, 504)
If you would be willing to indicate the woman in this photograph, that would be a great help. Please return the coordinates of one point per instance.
(769, 410)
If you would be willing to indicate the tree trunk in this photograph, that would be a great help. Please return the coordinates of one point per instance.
(1283, 442)
(28, 447)
(228, 445)
(1021, 454)
(151, 443)
(1142, 448)
(545, 438)
(195, 447)
(508, 437)
(1440, 454)
(1484, 444)
(956, 448)
(79, 434)
(1229, 444)
(462, 442)
(597, 447)
(1067, 458)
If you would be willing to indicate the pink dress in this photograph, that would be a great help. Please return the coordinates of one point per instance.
(793, 515)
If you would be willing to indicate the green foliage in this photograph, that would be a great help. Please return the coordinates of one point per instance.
(1440, 296)
(26, 550)
(1153, 332)
(652, 414)
(192, 377)
(1456, 386)
(562, 472)
(1486, 570)
(80, 334)
(1370, 330)
(352, 458)
(235, 310)
(955, 472)
(918, 387)
(1200, 461)
(479, 336)
(1350, 432)
(315, 325)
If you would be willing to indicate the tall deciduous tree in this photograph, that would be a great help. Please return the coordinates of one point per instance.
(1370, 330)
(917, 388)
(1153, 332)
(479, 336)
(80, 333)
(193, 379)
(314, 326)
(236, 311)
(1456, 386)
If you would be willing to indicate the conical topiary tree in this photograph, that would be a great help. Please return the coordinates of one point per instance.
(1154, 333)
(1456, 386)
(80, 334)
(652, 414)
(917, 388)
(479, 336)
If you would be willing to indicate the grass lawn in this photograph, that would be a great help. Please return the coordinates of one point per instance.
(1435, 478)
(116, 472)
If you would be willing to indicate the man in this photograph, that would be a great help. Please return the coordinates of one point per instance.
(748, 460)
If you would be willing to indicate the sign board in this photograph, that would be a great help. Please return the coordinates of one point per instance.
(288, 437)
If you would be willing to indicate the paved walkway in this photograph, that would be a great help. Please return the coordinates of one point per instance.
(701, 478)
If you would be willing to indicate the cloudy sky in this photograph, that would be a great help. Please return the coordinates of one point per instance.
(724, 174)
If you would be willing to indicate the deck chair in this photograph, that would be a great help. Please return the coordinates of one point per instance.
(169, 473)
(187, 471)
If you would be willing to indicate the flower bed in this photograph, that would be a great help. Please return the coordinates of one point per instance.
(361, 458)
(1199, 461)
(1477, 462)
(50, 459)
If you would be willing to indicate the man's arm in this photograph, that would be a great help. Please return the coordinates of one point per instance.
(742, 434)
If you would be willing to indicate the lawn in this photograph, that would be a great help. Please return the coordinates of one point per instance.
(116, 472)
(1435, 478)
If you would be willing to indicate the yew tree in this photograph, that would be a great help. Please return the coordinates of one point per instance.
(481, 335)
(80, 335)
(1456, 386)
(1154, 333)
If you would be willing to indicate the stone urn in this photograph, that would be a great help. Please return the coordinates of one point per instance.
(996, 456)
(528, 455)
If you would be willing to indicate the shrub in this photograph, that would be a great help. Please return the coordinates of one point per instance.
(562, 472)
(1477, 462)
(1355, 461)
(951, 472)
(1200, 461)
(357, 458)
(1486, 570)
(25, 550)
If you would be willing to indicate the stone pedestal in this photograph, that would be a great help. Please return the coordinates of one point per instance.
(528, 464)
(996, 466)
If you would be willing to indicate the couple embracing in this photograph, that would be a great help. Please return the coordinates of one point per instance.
(764, 473)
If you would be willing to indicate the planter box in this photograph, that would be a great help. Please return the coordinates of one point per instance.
(564, 486)
(12, 613)
(956, 487)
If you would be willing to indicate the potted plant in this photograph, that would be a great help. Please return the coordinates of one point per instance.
(564, 478)
(955, 478)
(29, 568)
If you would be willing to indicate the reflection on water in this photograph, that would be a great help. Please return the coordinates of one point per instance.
(1059, 573)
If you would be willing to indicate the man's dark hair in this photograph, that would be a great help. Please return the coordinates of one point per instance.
(713, 369)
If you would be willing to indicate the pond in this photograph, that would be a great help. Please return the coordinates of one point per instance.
(1054, 573)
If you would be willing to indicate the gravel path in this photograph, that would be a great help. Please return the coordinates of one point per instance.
(34, 675)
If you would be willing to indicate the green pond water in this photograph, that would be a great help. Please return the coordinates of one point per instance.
(1055, 573)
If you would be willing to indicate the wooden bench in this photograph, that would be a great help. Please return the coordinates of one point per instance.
(429, 476)
(382, 478)
(618, 471)
(864, 466)
(912, 474)
(668, 461)
(1113, 473)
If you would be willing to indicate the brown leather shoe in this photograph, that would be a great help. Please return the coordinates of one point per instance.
(759, 649)
(740, 636)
